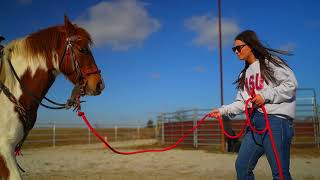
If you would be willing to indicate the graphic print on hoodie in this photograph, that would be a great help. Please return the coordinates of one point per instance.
(280, 98)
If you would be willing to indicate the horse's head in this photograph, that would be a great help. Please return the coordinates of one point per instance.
(77, 62)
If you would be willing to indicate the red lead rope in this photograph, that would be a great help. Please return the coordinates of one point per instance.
(248, 121)
(267, 128)
(141, 151)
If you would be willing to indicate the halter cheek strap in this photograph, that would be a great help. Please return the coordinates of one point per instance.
(82, 72)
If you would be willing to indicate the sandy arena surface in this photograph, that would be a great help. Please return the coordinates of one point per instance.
(93, 162)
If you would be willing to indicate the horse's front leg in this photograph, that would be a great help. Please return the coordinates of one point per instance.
(8, 164)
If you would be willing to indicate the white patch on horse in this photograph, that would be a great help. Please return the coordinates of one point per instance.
(55, 63)
(22, 59)
(11, 129)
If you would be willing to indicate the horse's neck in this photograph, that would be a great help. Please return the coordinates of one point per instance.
(35, 74)
(35, 79)
(38, 84)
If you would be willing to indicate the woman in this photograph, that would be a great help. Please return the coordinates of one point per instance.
(267, 76)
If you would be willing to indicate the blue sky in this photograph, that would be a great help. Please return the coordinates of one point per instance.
(159, 56)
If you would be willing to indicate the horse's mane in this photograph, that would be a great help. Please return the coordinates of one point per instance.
(36, 48)
(6, 76)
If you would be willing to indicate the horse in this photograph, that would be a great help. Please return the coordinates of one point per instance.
(28, 68)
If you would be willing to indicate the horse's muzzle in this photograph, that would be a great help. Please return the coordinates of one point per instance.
(94, 85)
(99, 88)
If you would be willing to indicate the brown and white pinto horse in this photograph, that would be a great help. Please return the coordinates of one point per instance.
(35, 61)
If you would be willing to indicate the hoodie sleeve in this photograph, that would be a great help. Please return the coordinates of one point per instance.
(233, 109)
(284, 91)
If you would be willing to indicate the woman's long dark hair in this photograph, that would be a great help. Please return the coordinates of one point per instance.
(265, 56)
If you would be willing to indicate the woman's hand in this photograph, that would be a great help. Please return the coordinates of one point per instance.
(258, 100)
(214, 113)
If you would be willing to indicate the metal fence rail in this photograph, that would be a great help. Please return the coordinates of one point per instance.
(56, 134)
(175, 124)
(171, 126)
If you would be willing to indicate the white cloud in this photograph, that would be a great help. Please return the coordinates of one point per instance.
(207, 32)
(290, 46)
(121, 24)
(200, 69)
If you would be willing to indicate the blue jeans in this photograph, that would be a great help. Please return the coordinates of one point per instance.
(255, 145)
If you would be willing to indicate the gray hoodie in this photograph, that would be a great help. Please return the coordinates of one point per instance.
(280, 99)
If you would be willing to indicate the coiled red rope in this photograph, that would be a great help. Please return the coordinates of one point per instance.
(247, 122)
(267, 128)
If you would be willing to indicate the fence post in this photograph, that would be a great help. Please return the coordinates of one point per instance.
(316, 117)
(160, 126)
(54, 135)
(138, 132)
(315, 111)
(314, 121)
(89, 136)
(156, 131)
(115, 133)
(162, 132)
(195, 132)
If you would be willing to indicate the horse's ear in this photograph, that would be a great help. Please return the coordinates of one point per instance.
(68, 25)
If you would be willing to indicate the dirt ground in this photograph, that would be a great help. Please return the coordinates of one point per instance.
(83, 162)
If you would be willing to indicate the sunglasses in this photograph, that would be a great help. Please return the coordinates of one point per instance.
(238, 48)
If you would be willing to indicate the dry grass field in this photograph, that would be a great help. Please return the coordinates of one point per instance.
(73, 158)
(82, 162)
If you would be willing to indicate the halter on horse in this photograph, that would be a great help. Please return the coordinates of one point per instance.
(28, 68)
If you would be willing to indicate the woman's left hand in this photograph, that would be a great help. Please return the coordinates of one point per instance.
(258, 100)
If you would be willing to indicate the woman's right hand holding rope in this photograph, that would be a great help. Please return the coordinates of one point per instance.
(214, 113)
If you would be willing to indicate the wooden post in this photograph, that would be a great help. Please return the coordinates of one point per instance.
(89, 136)
(138, 132)
(162, 132)
(115, 133)
(54, 136)
(195, 132)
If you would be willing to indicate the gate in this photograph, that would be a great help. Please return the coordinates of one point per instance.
(174, 124)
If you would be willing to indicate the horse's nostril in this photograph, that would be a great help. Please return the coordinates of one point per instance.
(100, 86)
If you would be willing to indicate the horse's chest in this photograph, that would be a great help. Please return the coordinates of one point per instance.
(11, 128)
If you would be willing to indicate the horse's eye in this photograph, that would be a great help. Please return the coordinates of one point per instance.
(84, 50)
